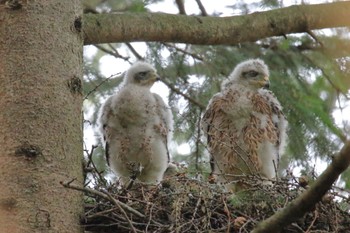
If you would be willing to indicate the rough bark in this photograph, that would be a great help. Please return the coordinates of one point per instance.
(127, 27)
(307, 201)
(40, 108)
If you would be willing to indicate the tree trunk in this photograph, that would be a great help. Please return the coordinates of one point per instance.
(40, 115)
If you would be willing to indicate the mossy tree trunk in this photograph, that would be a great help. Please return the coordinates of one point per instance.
(40, 115)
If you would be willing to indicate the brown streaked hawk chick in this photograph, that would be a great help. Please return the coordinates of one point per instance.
(136, 126)
(245, 126)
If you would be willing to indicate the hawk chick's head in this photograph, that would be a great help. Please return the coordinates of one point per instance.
(252, 73)
(141, 73)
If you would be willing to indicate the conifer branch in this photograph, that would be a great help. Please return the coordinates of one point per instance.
(128, 27)
(307, 200)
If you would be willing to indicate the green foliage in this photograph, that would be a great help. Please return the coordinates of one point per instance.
(308, 79)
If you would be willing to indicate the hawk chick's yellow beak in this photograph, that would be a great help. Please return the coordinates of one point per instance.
(154, 76)
(264, 83)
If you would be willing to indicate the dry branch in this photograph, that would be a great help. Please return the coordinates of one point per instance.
(128, 27)
(103, 195)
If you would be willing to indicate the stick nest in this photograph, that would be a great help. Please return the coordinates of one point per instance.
(183, 204)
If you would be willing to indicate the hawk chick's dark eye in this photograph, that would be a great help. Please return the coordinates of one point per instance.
(141, 75)
(252, 73)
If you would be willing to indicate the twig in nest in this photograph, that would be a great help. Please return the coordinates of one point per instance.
(227, 213)
(115, 202)
(150, 217)
(101, 213)
(313, 222)
(103, 195)
(244, 225)
(195, 212)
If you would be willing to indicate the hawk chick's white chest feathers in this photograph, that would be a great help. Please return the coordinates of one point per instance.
(136, 126)
(244, 125)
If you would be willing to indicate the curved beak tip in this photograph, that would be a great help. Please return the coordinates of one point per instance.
(266, 82)
(267, 85)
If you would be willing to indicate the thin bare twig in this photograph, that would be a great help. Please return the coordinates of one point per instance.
(91, 162)
(115, 202)
(201, 7)
(177, 91)
(181, 6)
(227, 213)
(312, 223)
(103, 195)
(150, 217)
(315, 38)
(100, 84)
(101, 213)
(341, 135)
(198, 139)
(114, 53)
(133, 51)
(196, 56)
(325, 75)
